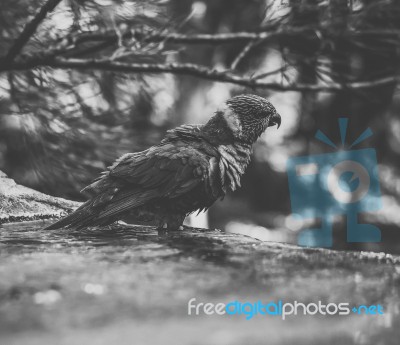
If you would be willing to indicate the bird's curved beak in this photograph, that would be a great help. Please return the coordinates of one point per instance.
(275, 120)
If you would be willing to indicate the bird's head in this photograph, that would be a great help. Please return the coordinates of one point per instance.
(248, 116)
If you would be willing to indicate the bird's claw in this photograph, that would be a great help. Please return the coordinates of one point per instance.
(164, 228)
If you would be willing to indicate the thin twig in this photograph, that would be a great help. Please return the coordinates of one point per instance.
(29, 29)
(269, 73)
(243, 53)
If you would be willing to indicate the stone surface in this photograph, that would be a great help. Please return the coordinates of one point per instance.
(131, 285)
(19, 203)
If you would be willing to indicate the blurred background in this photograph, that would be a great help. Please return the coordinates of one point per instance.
(89, 83)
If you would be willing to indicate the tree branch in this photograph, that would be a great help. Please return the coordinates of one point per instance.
(177, 38)
(70, 44)
(29, 29)
(221, 38)
(197, 71)
(74, 46)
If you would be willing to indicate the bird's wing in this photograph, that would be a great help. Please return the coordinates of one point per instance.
(164, 171)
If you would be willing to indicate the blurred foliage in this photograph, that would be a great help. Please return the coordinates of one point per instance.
(59, 129)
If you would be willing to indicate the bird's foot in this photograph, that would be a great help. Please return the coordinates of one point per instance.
(169, 227)
(171, 223)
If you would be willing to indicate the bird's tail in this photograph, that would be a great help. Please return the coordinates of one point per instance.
(81, 217)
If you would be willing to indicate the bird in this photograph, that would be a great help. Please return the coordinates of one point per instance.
(190, 169)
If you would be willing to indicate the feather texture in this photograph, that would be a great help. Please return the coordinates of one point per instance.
(192, 167)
